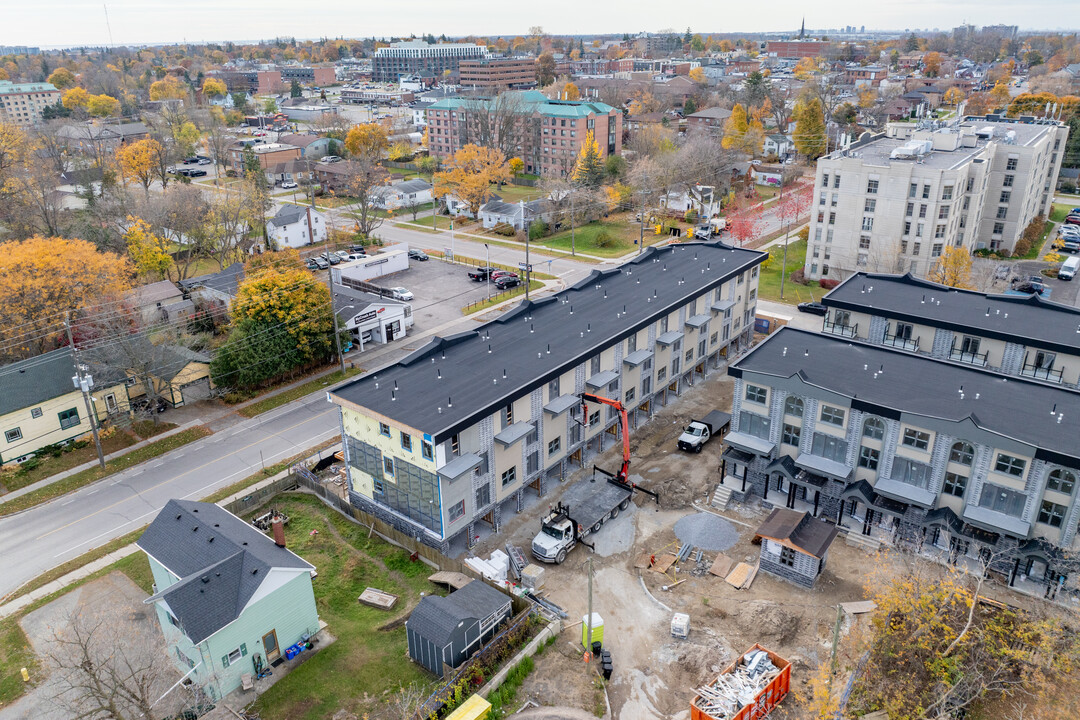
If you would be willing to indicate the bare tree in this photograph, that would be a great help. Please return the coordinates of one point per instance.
(54, 140)
(501, 122)
(36, 207)
(364, 175)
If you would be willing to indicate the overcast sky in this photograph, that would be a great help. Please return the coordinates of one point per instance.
(82, 22)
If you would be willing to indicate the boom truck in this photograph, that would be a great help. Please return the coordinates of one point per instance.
(588, 504)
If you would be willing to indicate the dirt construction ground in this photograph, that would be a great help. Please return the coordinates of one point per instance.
(655, 674)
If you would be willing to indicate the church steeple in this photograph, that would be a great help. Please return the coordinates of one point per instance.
(802, 30)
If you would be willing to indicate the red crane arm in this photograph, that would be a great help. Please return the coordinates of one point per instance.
(624, 424)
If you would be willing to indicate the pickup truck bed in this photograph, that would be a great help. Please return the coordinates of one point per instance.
(716, 420)
(590, 502)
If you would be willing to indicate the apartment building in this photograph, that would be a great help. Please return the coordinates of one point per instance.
(892, 202)
(1021, 336)
(458, 432)
(550, 131)
(946, 458)
(23, 103)
(307, 75)
(414, 57)
(795, 49)
(253, 81)
(270, 155)
(497, 73)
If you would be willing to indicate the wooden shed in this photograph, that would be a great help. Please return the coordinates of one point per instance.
(444, 632)
(794, 545)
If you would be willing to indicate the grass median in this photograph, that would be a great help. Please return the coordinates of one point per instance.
(283, 398)
(501, 297)
(85, 477)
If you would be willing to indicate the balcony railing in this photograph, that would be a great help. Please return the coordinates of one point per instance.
(901, 342)
(979, 359)
(1041, 373)
(841, 330)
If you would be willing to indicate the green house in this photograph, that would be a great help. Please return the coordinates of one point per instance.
(230, 600)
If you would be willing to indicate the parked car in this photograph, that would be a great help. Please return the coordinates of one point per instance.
(289, 185)
(355, 256)
(321, 263)
(330, 159)
(503, 273)
(418, 255)
(1073, 219)
(191, 160)
(332, 258)
(342, 254)
(357, 249)
(481, 274)
(400, 293)
(311, 264)
(814, 308)
(507, 281)
(196, 173)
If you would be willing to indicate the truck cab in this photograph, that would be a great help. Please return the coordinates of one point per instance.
(694, 437)
(555, 539)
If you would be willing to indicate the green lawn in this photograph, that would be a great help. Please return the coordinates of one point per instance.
(501, 297)
(769, 282)
(353, 673)
(15, 654)
(441, 221)
(44, 466)
(1058, 211)
(623, 238)
(274, 401)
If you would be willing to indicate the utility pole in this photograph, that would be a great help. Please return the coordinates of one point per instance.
(641, 236)
(836, 637)
(333, 311)
(572, 249)
(528, 267)
(85, 383)
(588, 645)
(487, 264)
(780, 208)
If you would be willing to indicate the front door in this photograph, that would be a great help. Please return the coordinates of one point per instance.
(270, 646)
(389, 332)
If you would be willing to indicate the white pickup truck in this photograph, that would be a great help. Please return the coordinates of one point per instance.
(699, 432)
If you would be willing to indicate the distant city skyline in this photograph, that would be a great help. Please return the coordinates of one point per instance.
(136, 22)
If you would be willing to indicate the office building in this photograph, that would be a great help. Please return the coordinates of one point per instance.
(497, 73)
(414, 57)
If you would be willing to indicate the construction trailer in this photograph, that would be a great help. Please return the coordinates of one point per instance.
(747, 689)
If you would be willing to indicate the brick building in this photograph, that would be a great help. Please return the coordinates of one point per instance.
(497, 73)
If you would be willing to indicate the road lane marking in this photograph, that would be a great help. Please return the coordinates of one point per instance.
(177, 477)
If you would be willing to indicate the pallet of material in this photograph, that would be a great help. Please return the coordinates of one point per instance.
(721, 566)
(737, 578)
(377, 598)
(453, 580)
(663, 563)
(747, 689)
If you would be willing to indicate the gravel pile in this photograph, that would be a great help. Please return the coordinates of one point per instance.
(705, 531)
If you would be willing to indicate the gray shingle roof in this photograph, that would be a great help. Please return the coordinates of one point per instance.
(31, 382)
(288, 214)
(435, 618)
(220, 559)
(225, 281)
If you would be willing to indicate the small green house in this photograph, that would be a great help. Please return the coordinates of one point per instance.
(230, 600)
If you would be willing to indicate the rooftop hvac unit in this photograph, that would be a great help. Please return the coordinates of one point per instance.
(986, 132)
(1010, 137)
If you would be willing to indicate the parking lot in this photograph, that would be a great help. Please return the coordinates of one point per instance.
(441, 290)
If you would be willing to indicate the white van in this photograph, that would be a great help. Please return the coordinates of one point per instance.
(1069, 268)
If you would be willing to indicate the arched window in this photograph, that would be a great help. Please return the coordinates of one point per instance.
(1062, 480)
(873, 428)
(793, 406)
(962, 452)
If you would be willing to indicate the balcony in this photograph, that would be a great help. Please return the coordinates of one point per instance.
(977, 359)
(1040, 373)
(900, 342)
(848, 331)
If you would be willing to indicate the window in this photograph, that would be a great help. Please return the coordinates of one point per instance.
(999, 227)
(508, 477)
(871, 187)
(916, 439)
(793, 406)
(508, 415)
(553, 389)
(1002, 500)
(873, 428)
(832, 415)
(936, 248)
(870, 205)
(235, 655)
(689, 355)
(456, 511)
(922, 211)
(427, 450)
(787, 556)
(631, 344)
(379, 487)
(947, 192)
(68, 418)
(910, 472)
(661, 375)
(1007, 181)
(869, 458)
(836, 181)
(756, 394)
(406, 442)
(825, 181)
(1005, 195)
(384, 429)
(907, 231)
(630, 395)
(832, 218)
(388, 465)
(954, 484)
(1010, 465)
(1002, 212)
(455, 444)
(791, 435)
(1010, 164)
(829, 447)
(925, 192)
(867, 224)
(943, 213)
(1061, 480)
(754, 424)
(554, 446)
(962, 453)
(13, 435)
(35, 412)
(864, 242)
(913, 189)
(1052, 514)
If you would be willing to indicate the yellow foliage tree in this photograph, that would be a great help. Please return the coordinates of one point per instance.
(953, 96)
(168, 89)
(932, 64)
(147, 250)
(589, 166)
(138, 161)
(471, 173)
(1000, 95)
(103, 106)
(214, 88)
(187, 137)
(62, 78)
(953, 268)
(517, 165)
(571, 92)
(618, 196)
(75, 98)
(698, 75)
(734, 127)
(368, 140)
(400, 151)
(867, 98)
(42, 278)
(805, 68)
(15, 148)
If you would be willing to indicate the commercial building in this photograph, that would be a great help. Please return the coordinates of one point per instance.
(413, 57)
(956, 461)
(497, 73)
(23, 103)
(365, 96)
(306, 75)
(892, 202)
(550, 132)
(268, 154)
(253, 81)
(795, 49)
(455, 433)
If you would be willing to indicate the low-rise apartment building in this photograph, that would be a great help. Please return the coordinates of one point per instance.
(892, 202)
(1022, 336)
(943, 457)
(413, 57)
(23, 103)
(497, 73)
(270, 155)
(550, 132)
(460, 430)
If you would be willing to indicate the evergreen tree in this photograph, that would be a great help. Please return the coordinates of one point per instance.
(810, 129)
(295, 90)
(589, 170)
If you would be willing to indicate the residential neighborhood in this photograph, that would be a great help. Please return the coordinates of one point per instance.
(511, 372)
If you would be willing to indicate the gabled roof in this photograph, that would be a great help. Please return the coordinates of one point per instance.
(288, 214)
(156, 292)
(220, 559)
(713, 112)
(31, 382)
(799, 530)
(435, 618)
(225, 281)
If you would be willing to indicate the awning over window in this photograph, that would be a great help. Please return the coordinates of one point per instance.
(561, 404)
(822, 466)
(698, 320)
(996, 522)
(637, 357)
(749, 443)
(515, 432)
(602, 379)
(722, 305)
(459, 466)
(669, 338)
(904, 492)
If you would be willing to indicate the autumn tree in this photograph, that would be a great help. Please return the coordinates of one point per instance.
(214, 88)
(932, 64)
(368, 140)
(698, 75)
(15, 151)
(517, 165)
(746, 226)
(281, 324)
(570, 92)
(62, 78)
(148, 252)
(75, 98)
(742, 133)
(138, 162)
(363, 175)
(168, 89)
(42, 278)
(953, 268)
(810, 137)
(999, 95)
(589, 168)
(470, 174)
(102, 106)
(953, 96)
(545, 69)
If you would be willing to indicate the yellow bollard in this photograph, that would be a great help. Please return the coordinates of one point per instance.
(25, 675)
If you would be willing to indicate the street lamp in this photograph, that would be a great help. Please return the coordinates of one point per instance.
(487, 264)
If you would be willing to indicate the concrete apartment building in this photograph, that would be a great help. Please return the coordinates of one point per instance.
(1021, 336)
(972, 466)
(23, 103)
(413, 57)
(497, 73)
(460, 430)
(551, 130)
(795, 49)
(270, 155)
(892, 202)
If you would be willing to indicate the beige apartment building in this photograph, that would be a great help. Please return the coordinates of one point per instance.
(23, 103)
(893, 202)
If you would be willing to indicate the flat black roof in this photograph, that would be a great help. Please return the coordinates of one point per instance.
(1030, 319)
(889, 382)
(452, 382)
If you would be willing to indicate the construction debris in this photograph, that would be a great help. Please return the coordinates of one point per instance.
(755, 683)
(859, 607)
(737, 578)
(721, 566)
(663, 563)
(377, 598)
(680, 625)
(517, 559)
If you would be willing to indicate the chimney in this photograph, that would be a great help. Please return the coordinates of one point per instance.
(278, 526)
